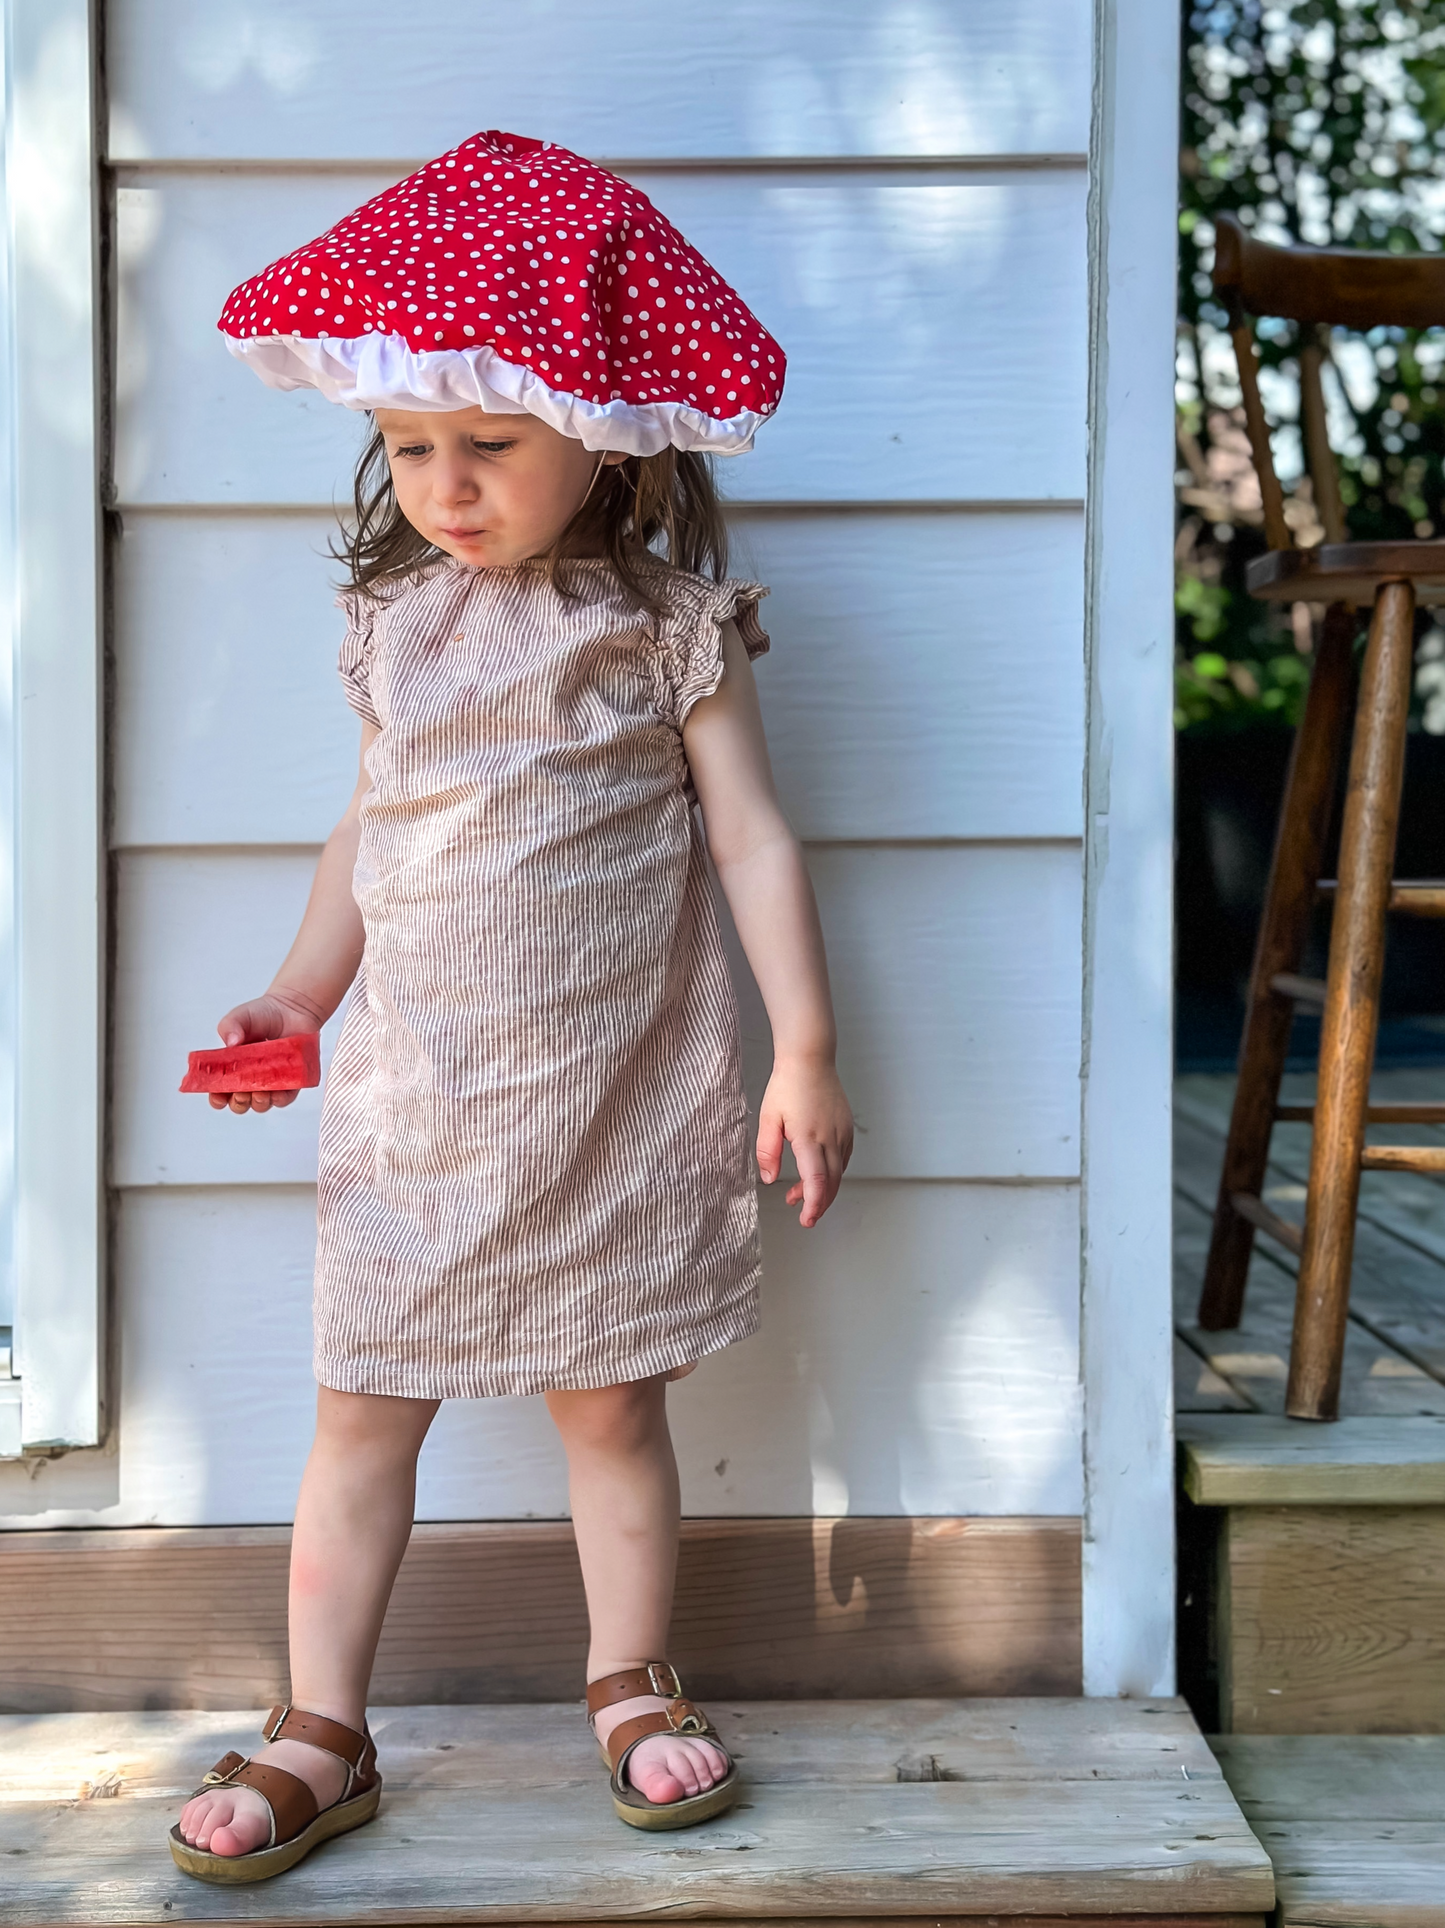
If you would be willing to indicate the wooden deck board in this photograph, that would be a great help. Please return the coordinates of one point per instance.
(1354, 1777)
(1395, 1351)
(1198, 1388)
(158, 1755)
(1352, 1824)
(1058, 1809)
(1408, 1207)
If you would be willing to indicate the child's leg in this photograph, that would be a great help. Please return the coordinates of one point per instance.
(353, 1519)
(625, 1507)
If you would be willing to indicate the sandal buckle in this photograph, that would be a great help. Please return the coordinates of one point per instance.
(664, 1679)
(684, 1718)
(269, 1734)
(228, 1766)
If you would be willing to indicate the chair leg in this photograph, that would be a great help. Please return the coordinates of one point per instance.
(1294, 871)
(1352, 1007)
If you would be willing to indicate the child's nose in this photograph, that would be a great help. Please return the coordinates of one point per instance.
(455, 482)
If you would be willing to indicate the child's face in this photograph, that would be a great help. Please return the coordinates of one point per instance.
(488, 489)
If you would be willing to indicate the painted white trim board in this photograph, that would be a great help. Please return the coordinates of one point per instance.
(1128, 942)
(51, 227)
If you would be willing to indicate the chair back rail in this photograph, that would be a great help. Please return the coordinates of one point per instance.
(1319, 288)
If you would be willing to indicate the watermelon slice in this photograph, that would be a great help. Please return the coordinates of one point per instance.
(275, 1064)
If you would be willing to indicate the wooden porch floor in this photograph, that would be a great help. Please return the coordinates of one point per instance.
(1395, 1355)
(1007, 1810)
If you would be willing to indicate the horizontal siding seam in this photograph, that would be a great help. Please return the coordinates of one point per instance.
(309, 848)
(1025, 1182)
(129, 170)
(901, 505)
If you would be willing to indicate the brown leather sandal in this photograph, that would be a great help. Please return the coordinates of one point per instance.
(297, 1825)
(680, 1716)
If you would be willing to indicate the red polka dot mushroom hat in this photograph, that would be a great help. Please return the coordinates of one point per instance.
(515, 276)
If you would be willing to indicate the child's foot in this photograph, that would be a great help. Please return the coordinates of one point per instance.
(235, 1820)
(664, 1767)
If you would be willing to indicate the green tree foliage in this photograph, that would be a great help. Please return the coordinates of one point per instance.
(1322, 122)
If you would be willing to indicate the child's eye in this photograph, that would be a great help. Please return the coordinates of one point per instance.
(414, 448)
(493, 448)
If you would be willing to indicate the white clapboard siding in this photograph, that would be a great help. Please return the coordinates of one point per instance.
(949, 1388)
(845, 77)
(936, 334)
(954, 977)
(925, 681)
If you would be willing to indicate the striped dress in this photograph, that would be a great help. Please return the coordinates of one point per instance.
(536, 1170)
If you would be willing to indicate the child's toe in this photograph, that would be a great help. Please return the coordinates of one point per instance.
(193, 1816)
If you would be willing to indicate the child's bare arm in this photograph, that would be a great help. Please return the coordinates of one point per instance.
(765, 880)
(322, 962)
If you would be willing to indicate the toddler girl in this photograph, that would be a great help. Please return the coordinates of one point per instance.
(535, 1174)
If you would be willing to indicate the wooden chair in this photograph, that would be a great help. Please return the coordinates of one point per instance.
(1317, 288)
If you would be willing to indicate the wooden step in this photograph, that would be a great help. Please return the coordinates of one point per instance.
(1320, 1551)
(1015, 1810)
(1259, 1459)
(1352, 1823)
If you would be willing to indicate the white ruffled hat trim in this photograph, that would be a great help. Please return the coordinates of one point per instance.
(381, 371)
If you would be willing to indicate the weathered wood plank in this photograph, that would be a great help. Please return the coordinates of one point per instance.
(559, 1854)
(1358, 1461)
(1332, 1621)
(151, 1756)
(1390, 1874)
(196, 1617)
(1354, 1777)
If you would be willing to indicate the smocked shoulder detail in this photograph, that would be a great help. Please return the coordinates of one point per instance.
(354, 657)
(690, 634)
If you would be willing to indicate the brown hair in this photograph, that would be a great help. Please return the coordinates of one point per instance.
(648, 513)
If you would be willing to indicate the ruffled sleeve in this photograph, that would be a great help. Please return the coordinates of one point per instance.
(354, 660)
(690, 634)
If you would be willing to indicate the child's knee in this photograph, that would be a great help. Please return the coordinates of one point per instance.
(611, 1418)
(366, 1423)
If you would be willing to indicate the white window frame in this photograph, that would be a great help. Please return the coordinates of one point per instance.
(1128, 1600)
(52, 862)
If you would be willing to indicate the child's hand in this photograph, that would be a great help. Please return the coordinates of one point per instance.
(804, 1103)
(264, 1017)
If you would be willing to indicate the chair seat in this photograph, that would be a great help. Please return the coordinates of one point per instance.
(1347, 572)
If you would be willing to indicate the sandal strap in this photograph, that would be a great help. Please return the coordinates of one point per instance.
(356, 1752)
(288, 1723)
(657, 1677)
(291, 1803)
(678, 1717)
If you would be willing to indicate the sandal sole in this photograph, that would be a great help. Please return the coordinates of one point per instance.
(656, 1817)
(234, 1870)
